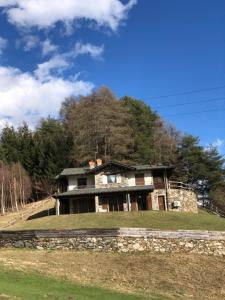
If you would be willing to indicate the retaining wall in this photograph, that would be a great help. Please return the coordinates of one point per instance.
(118, 240)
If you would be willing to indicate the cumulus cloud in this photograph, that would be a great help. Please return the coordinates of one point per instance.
(56, 64)
(45, 14)
(48, 47)
(3, 44)
(26, 97)
(94, 51)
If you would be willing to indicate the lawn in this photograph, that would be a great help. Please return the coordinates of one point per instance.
(149, 219)
(87, 275)
(30, 286)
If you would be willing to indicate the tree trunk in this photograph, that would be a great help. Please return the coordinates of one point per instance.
(2, 197)
(15, 194)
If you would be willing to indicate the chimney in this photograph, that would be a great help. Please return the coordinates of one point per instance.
(91, 164)
(98, 162)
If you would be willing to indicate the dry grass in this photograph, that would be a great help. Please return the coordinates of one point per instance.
(24, 213)
(173, 276)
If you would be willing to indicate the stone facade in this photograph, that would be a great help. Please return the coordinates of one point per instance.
(155, 195)
(124, 240)
(187, 198)
(100, 181)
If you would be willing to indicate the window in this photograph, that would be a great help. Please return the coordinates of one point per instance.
(81, 183)
(140, 179)
(111, 178)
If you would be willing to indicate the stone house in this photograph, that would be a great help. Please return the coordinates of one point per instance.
(112, 186)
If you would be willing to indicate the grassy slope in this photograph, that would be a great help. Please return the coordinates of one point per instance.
(153, 276)
(148, 219)
(29, 286)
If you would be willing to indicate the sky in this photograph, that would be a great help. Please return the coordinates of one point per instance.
(171, 54)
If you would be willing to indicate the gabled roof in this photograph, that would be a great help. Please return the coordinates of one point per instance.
(87, 170)
(74, 171)
(110, 164)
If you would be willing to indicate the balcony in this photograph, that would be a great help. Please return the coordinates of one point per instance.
(180, 185)
(105, 186)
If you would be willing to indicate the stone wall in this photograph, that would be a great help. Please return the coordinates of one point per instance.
(99, 181)
(187, 198)
(119, 240)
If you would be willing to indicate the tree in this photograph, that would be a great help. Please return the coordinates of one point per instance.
(15, 187)
(217, 196)
(154, 142)
(51, 152)
(9, 145)
(191, 160)
(25, 147)
(201, 167)
(99, 126)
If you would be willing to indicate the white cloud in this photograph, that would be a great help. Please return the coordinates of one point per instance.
(58, 63)
(26, 97)
(218, 143)
(44, 70)
(48, 47)
(94, 51)
(30, 41)
(3, 44)
(44, 14)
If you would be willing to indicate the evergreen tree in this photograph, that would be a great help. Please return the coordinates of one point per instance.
(154, 142)
(9, 145)
(51, 153)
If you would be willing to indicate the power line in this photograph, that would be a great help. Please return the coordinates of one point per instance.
(187, 103)
(194, 112)
(187, 92)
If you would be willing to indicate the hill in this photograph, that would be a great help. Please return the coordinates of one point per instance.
(149, 219)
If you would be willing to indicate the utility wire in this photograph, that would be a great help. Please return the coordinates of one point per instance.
(187, 103)
(194, 112)
(187, 92)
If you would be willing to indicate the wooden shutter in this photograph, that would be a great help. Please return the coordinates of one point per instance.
(139, 179)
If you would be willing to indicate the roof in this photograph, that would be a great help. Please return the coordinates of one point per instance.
(97, 191)
(110, 164)
(87, 170)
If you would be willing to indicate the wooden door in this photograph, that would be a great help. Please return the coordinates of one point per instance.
(161, 202)
(133, 202)
(139, 179)
(149, 202)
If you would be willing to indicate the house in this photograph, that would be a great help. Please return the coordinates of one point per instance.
(112, 186)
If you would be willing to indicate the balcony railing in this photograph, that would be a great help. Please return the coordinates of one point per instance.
(157, 185)
(102, 186)
(180, 185)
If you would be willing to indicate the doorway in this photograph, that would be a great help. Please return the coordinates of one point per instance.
(161, 202)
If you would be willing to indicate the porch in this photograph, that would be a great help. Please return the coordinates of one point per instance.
(105, 200)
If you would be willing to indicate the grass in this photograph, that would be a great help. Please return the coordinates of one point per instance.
(148, 219)
(88, 275)
(30, 286)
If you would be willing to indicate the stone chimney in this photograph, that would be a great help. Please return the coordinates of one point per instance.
(91, 164)
(99, 162)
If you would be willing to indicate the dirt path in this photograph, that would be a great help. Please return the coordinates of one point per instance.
(29, 210)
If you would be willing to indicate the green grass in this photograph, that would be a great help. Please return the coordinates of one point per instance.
(148, 219)
(30, 286)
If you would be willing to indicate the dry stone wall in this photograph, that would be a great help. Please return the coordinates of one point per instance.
(187, 198)
(119, 240)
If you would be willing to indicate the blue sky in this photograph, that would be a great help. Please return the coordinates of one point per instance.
(141, 48)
